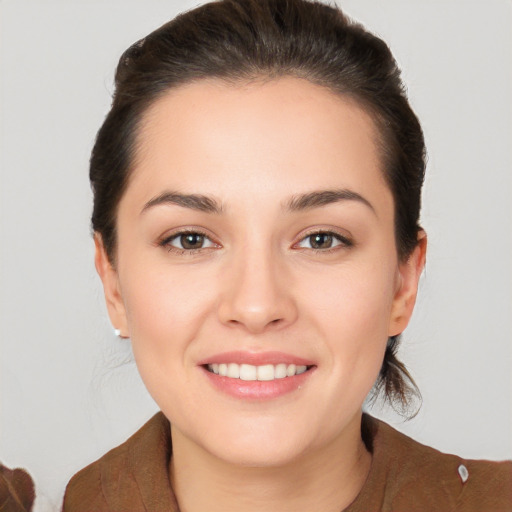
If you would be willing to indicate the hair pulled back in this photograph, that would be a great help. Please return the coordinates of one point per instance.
(243, 40)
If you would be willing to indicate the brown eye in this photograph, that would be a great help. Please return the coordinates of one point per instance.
(191, 241)
(187, 241)
(321, 241)
(324, 240)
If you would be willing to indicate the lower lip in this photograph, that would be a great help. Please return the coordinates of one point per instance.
(257, 389)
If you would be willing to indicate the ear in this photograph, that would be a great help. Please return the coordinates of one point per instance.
(409, 273)
(110, 280)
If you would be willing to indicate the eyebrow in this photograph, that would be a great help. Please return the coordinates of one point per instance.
(193, 201)
(319, 198)
(299, 202)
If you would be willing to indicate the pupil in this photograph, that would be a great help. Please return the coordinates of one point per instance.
(321, 241)
(191, 241)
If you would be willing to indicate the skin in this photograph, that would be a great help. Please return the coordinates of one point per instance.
(258, 285)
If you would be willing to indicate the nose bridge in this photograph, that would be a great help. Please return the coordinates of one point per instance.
(256, 295)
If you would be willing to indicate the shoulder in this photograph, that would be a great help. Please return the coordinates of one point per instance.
(410, 476)
(134, 476)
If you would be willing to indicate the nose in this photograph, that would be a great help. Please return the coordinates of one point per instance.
(257, 294)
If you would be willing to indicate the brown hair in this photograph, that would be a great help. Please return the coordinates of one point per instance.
(242, 40)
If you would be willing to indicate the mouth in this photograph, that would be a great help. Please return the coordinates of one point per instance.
(257, 376)
(249, 372)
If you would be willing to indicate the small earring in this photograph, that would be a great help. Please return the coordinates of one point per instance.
(117, 332)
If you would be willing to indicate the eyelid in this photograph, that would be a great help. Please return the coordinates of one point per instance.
(164, 240)
(346, 240)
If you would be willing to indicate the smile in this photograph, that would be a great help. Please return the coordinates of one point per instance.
(249, 372)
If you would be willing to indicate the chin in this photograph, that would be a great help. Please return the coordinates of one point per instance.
(259, 442)
(261, 454)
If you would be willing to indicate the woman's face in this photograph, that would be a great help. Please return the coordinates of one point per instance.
(256, 238)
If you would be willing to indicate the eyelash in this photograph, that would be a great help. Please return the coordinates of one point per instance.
(166, 242)
(343, 241)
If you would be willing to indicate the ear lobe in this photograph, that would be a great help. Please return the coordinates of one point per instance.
(409, 273)
(110, 280)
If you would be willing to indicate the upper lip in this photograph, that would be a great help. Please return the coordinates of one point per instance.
(255, 358)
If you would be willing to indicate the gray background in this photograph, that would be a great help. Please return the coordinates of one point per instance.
(66, 397)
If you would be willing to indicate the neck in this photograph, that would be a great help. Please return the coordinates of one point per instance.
(327, 478)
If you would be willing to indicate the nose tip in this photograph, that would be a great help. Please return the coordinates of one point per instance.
(255, 320)
(257, 298)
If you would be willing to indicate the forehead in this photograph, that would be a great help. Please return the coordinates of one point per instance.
(222, 139)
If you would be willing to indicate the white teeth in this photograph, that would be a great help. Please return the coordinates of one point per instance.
(250, 372)
(266, 372)
(280, 371)
(233, 371)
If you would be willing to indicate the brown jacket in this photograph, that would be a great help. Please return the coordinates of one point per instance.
(405, 477)
(16, 490)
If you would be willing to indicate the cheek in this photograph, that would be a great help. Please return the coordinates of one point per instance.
(352, 309)
(356, 299)
(165, 309)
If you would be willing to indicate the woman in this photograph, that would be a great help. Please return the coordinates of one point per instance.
(257, 191)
